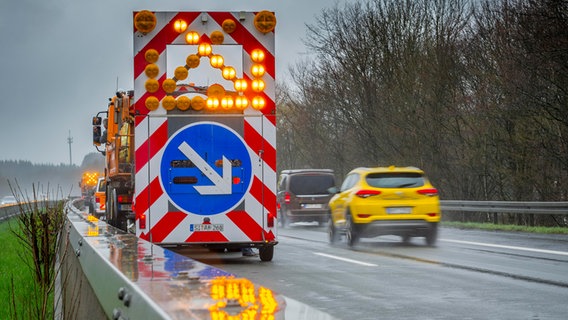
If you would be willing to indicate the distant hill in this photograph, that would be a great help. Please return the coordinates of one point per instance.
(54, 180)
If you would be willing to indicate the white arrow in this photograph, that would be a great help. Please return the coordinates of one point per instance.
(221, 185)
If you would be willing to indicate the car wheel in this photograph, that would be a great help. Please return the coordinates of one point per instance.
(282, 219)
(285, 223)
(432, 235)
(350, 231)
(332, 232)
(266, 253)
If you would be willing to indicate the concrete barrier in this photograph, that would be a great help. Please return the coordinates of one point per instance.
(106, 273)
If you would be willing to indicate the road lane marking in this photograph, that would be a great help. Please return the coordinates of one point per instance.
(346, 259)
(562, 253)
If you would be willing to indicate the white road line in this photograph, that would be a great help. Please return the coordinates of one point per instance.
(346, 259)
(562, 253)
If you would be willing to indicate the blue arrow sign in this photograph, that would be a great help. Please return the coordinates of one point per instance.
(206, 168)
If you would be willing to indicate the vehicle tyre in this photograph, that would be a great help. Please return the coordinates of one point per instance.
(350, 231)
(266, 253)
(432, 235)
(282, 219)
(119, 220)
(334, 236)
(111, 215)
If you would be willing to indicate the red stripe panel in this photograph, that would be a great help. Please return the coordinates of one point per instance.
(258, 190)
(206, 236)
(247, 224)
(151, 146)
(247, 40)
(165, 226)
(148, 196)
(160, 40)
(256, 142)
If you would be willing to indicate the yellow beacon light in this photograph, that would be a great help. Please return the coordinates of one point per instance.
(258, 102)
(204, 49)
(241, 102)
(217, 61)
(257, 85)
(192, 37)
(180, 25)
(240, 85)
(227, 102)
(229, 73)
(212, 103)
(257, 70)
(257, 55)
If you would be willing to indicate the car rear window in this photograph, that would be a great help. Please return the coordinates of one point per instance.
(311, 184)
(395, 180)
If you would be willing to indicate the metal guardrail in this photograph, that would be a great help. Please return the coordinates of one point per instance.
(520, 207)
(6, 212)
(116, 275)
(12, 210)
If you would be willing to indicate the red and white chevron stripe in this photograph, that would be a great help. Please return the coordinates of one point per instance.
(164, 222)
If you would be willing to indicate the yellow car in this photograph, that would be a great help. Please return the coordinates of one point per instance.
(384, 201)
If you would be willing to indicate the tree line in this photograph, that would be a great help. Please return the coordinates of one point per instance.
(473, 92)
(23, 177)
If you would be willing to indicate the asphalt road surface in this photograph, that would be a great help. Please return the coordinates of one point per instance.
(468, 275)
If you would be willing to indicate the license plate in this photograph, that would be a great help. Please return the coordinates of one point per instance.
(399, 210)
(206, 227)
(313, 206)
(126, 207)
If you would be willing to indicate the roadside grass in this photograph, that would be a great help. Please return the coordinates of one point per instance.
(500, 227)
(19, 292)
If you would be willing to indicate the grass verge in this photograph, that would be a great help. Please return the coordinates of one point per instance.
(18, 289)
(500, 227)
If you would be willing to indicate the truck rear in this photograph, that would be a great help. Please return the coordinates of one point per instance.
(205, 129)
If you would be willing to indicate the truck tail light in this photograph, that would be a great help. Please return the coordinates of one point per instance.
(367, 193)
(142, 221)
(97, 200)
(270, 220)
(124, 198)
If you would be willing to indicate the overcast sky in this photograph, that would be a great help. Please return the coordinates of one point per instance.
(60, 61)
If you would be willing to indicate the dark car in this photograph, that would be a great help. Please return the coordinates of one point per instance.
(303, 195)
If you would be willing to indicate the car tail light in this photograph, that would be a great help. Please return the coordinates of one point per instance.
(124, 199)
(363, 215)
(428, 192)
(367, 193)
(287, 198)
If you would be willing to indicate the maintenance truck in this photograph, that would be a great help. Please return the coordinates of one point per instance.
(191, 151)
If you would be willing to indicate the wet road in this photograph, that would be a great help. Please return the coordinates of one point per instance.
(468, 275)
